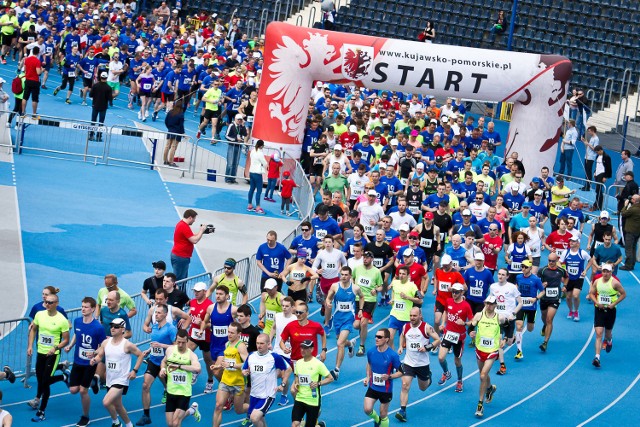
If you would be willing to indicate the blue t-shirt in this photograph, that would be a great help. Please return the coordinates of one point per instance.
(478, 283)
(602, 255)
(538, 211)
(311, 245)
(457, 256)
(89, 336)
(519, 221)
(512, 202)
(273, 259)
(88, 65)
(484, 224)
(418, 254)
(164, 335)
(322, 228)
(106, 317)
(186, 79)
(368, 152)
(393, 184)
(492, 137)
(385, 362)
(529, 287)
(70, 64)
(433, 200)
(575, 214)
(348, 246)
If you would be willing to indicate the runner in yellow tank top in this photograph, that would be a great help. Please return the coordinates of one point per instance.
(270, 304)
(232, 382)
(231, 281)
(488, 340)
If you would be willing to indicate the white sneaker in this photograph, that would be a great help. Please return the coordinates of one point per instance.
(139, 115)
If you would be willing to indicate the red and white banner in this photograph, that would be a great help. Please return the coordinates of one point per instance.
(295, 57)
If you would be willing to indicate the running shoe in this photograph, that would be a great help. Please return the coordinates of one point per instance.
(144, 420)
(228, 404)
(194, 378)
(570, 315)
(327, 330)
(609, 346)
(351, 350)
(196, 412)
(250, 208)
(198, 134)
(154, 116)
(95, 384)
(309, 299)
(84, 103)
(402, 415)
(605, 345)
(435, 350)
(518, 355)
(39, 417)
(502, 370)
(116, 424)
(284, 400)
(360, 352)
(596, 362)
(44, 87)
(543, 346)
(459, 387)
(55, 91)
(576, 316)
(488, 396)
(68, 101)
(66, 376)
(260, 211)
(164, 397)
(11, 377)
(84, 421)
(480, 410)
(246, 423)
(139, 115)
(322, 424)
(445, 377)
(335, 373)
(208, 388)
(34, 403)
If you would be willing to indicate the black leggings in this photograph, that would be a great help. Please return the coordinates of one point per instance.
(66, 79)
(45, 367)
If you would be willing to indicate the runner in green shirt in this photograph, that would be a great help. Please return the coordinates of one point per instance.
(8, 26)
(52, 330)
(336, 182)
(369, 279)
(404, 295)
(212, 98)
(311, 374)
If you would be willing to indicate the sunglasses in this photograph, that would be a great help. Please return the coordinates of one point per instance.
(299, 313)
(413, 238)
(49, 302)
(116, 326)
(305, 229)
(493, 229)
(379, 337)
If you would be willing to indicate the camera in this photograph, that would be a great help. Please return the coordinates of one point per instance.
(209, 229)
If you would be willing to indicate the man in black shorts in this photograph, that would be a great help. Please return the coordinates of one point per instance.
(554, 279)
(310, 375)
(606, 292)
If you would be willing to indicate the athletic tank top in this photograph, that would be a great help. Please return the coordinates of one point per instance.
(179, 381)
(232, 284)
(219, 325)
(117, 362)
(574, 263)
(488, 334)
(344, 302)
(428, 240)
(534, 243)
(415, 339)
(517, 255)
(146, 83)
(233, 374)
(414, 200)
(430, 187)
(248, 111)
(197, 311)
(170, 318)
(598, 234)
(3, 414)
(272, 306)
(605, 294)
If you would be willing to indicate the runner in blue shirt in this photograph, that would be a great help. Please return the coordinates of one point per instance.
(529, 286)
(306, 240)
(87, 66)
(186, 79)
(69, 73)
(478, 279)
(159, 73)
(324, 225)
(383, 366)
(88, 334)
(272, 258)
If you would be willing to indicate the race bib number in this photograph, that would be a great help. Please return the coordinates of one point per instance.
(345, 306)
(157, 351)
(452, 337)
(414, 346)
(560, 252)
(304, 379)
(516, 266)
(604, 299)
(574, 271)
(146, 86)
(475, 292)
(444, 286)
(528, 302)
(46, 340)
(298, 276)
(399, 305)
(552, 292)
(179, 378)
(534, 250)
(270, 315)
(455, 263)
(258, 368)
(501, 308)
(249, 119)
(231, 364)
(197, 334)
(368, 229)
(357, 191)
(72, 73)
(414, 210)
(348, 152)
(187, 81)
(331, 266)
(321, 233)
(88, 75)
(364, 282)
(486, 342)
(113, 366)
(377, 380)
(378, 262)
(426, 242)
(220, 331)
(86, 353)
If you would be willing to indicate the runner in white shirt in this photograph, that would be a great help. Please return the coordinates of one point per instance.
(371, 213)
(282, 320)
(327, 264)
(509, 303)
(536, 237)
(357, 181)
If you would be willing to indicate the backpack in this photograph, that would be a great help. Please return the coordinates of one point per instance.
(16, 85)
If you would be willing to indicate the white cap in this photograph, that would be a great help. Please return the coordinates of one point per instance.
(457, 287)
(276, 157)
(104, 75)
(403, 227)
(446, 259)
(2, 80)
(372, 193)
(491, 299)
(385, 121)
(200, 286)
(270, 284)
(239, 116)
(607, 267)
(337, 147)
(407, 252)
(466, 212)
(420, 166)
(479, 256)
(575, 238)
(539, 193)
(353, 128)
(604, 214)
(394, 142)
(373, 110)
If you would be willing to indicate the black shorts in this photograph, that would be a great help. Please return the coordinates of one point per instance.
(201, 345)
(87, 82)
(507, 329)
(175, 401)
(82, 375)
(210, 114)
(379, 395)
(604, 318)
(316, 170)
(422, 372)
(200, 95)
(7, 39)
(124, 388)
(144, 93)
(544, 304)
(529, 315)
(31, 89)
(152, 369)
(476, 307)
(167, 97)
(308, 412)
(458, 348)
(439, 307)
(156, 95)
(574, 284)
(300, 295)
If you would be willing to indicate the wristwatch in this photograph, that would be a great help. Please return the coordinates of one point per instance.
(324, 349)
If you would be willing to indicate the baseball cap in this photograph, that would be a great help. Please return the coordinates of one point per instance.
(527, 263)
(407, 252)
(466, 212)
(439, 159)
(104, 75)
(353, 214)
(457, 287)
(526, 205)
(270, 284)
(604, 214)
(490, 299)
(403, 227)
(372, 193)
(428, 215)
(479, 256)
(353, 128)
(337, 147)
(159, 264)
(446, 259)
(302, 252)
(414, 234)
(200, 286)
(575, 238)
(368, 254)
(230, 262)
(119, 322)
(607, 267)
(2, 80)
(286, 173)
(539, 193)
(394, 142)
(420, 166)
(306, 344)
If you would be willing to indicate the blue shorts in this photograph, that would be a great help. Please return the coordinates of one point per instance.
(262, 405)
(396, 324)
(343, 324)
(216, 352)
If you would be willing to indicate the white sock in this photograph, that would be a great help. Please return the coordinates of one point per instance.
(115, 420)
(519, 336)
(191, 411)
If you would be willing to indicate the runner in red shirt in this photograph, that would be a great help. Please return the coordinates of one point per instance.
(444, 278)
(349, 139)
(198, 337)
(402, 240)
(303, 329)
(417, 273)
(491, 248)
(558, 241)
(183, 243)
(458, 316)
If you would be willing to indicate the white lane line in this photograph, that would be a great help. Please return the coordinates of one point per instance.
(616, 400)
(544, 387)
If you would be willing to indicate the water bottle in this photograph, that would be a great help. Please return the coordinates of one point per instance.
(314, 392)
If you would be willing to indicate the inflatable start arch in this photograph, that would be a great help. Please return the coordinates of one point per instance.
(294, 57)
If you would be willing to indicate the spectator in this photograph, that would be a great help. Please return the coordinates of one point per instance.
(256, 170)
(626, 165)
(32, 71)
(428, 34)
(603, 172)
(183, 243)
(287, 185)
(631, 214)
(275, 163)
(102, 94)
(175, 125)
(590, 156)
(499, 26)
(567, 148)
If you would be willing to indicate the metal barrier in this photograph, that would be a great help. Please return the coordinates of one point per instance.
(186, 285)
(14, 337)
(58, 137)
(140, 147)
(212, 163)
(607, 93)
(576, 183)
(5, 131)
(611, 200)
